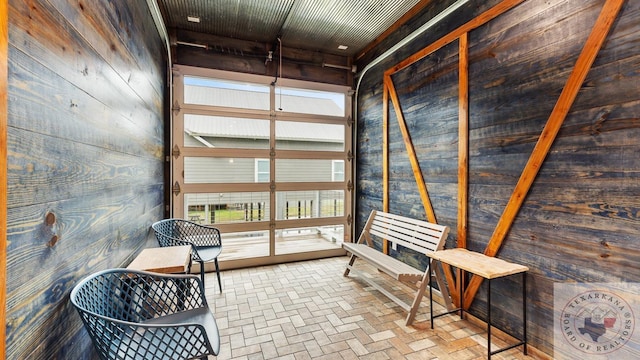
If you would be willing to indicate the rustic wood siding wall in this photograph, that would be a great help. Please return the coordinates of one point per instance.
(86, 89)
(580, 221)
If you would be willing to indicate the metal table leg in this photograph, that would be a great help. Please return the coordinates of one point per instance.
(461, 273)
(524, 311)
(489, 319)
(431, 292)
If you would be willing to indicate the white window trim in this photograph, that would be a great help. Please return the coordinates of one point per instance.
(333, 170)
(257, 171)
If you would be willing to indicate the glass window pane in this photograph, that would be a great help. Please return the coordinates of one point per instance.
(338, 170)
(315, 238)
(262, 170)
(304, 170)
(225, 132)
(293, 135)
(203, 170)
(225, 208)
(214, 92)
(243, 245)
(314, 102)
(263, 165)
(309, 204)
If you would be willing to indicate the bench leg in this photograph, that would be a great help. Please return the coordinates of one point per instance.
(418, 298)
(351, 261)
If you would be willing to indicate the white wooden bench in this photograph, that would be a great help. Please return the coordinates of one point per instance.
(417, 235)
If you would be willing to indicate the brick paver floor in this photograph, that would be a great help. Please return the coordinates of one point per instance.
(308, 310)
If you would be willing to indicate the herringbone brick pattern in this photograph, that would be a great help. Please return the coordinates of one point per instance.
(309, 310)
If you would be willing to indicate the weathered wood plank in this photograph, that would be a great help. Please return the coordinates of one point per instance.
(562, 107)
(86, 133)
(526, 47)
(38, 295)
(92, 171)
(533, 68)
(463, 167)
(385, 154)
(463, 141)
(481, 19)
(441, 66)
(102, 27)
(4, 40)
(79, 117)
(532, 36)
(55, 50)
(556, 267)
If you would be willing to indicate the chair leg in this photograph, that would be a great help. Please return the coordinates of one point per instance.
(202, 272)
(218, 273)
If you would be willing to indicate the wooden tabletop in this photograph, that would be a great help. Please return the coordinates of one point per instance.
(480, 264)
(168, 260)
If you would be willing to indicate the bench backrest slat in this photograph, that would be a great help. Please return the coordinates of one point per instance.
(414, 234)
(417, 230)
(407, 241)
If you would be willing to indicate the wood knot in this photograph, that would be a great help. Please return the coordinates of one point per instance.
(597, 126)
(50, 219)
(53, 241)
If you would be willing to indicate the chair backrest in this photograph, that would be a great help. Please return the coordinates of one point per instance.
(174, 232)
(118, 294)
(167, 232)
(117, 307)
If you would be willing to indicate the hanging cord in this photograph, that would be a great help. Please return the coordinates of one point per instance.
(280, 72)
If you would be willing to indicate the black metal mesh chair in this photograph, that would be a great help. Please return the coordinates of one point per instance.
(133, 314)
(205, 241)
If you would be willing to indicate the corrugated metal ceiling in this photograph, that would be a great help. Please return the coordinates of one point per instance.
(319, 25)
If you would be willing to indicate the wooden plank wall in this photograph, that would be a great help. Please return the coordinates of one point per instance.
(86, 89)
(579, 221)
(4, 40)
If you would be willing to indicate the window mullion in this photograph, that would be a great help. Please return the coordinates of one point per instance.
(272, 171)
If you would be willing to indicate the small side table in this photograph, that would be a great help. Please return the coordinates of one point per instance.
(489, 268)
(167, 260)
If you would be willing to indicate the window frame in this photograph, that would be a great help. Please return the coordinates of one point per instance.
(179, 189)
